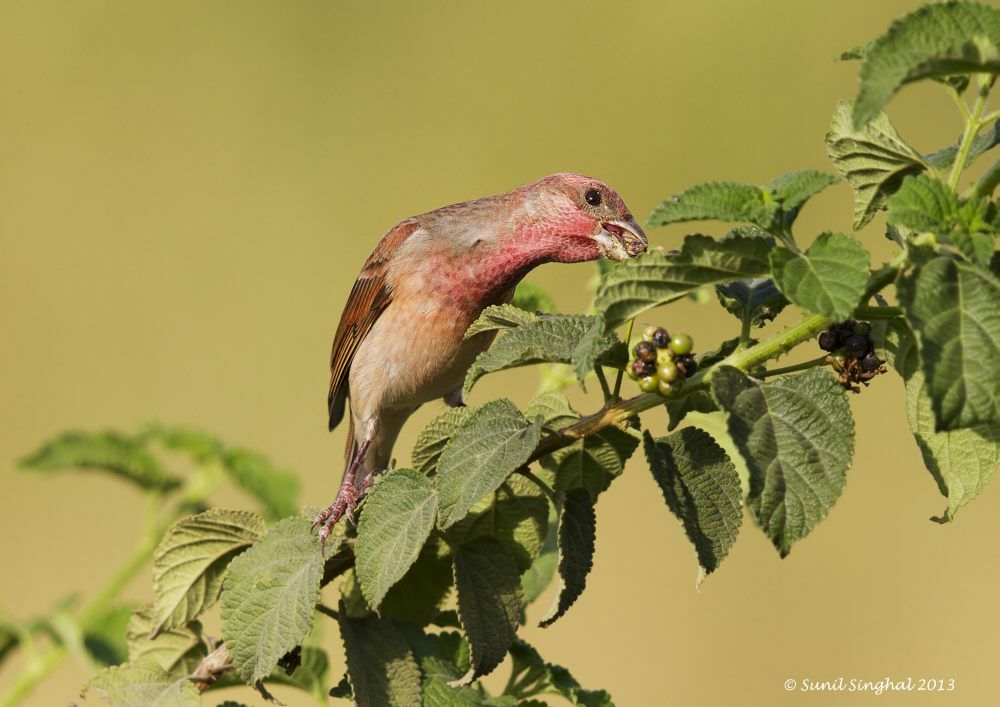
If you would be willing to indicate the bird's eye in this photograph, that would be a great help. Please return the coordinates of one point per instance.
(593, 197)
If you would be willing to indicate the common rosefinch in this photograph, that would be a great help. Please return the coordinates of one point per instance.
(400, 342)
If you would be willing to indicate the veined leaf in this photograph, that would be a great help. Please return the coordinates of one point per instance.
(500, 316)
(537, 677)
(873, 158)
(532, 298)
(418, 596)
(143, 684)
(939, 39)
(432, 439)
(597, 346)
(635, 285)
(954, 308)
(720, 201)
(576, 540)
(553, 408)
(494, 441)
(108, 451)
(593, 462)
(397, 519)
(700, 485)
(700, 400)
(796, 435)
(269, 595)
(190, 563)
(795, 188)
(944, 159)
(380, 664)
(539, 576)
(757, 299)
(177, 650)
(489, 602)
(828, 279)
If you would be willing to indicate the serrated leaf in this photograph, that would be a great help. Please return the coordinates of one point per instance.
(795, 188)
(701, 487)
(397, 519)
(380, 664)
(757, 299)
(944, 159)
(417, 597)
(796, 435)
(108, 451)
(716, 424)
(596, 346)
(269, 595)
(934, 41)
(177, 650)
(553, 408)
(535, 676)
(954, 308)
(190, 562)
(874, 159)
(593, 462)
(720, 201)
(500, 316)
(532, 298)
(828, 279)
(143, 684)
(105, 640)
(539, 576)
(576, 539)
(434, 437)
(651, 279)
(489, 602)
(494, 441)
(549, 339)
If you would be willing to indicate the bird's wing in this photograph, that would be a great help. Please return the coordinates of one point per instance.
(369, 297)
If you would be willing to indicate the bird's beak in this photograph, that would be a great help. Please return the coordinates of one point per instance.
(620, 240)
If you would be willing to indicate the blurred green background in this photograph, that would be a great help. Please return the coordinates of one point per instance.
(187, 190)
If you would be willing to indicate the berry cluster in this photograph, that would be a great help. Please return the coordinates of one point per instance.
(852, 353)
(662, 361)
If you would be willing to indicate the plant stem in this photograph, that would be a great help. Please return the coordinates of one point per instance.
(34, 672)
(603, 381)
(804, 366)
(875, 313)
(745, 331)
(972, 125)
(621, 374)
(546, 489)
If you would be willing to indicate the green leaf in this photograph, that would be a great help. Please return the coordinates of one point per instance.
(397, 519)
(532, 298)
(596, 346)
(651, 279)
(500, 316)
(105, 641)
(944, 159)
(177, 650)
(269, 595)
(494, 441)
(796, 435)
(795, 188)
(576, 540)
(874, 159)
(701, 488)
(828, 279)
(190, 563)
(489, 602)
(108, 451)
(720, 201)
(757, 299)
(380, 664)
(539, 576)
(716, 424)
(954, 308)
(554, 409)
(432, 439)
(593, 462)
(934, 41)
(143, 684)
(311, 673)
(534, 676)
(549, 339)
(418, 596)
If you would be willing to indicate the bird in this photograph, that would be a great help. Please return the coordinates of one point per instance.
(401, 339)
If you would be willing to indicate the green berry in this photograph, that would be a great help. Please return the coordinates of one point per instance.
(630, 373)
(681, 344)
(648, 384)
(647, 335)
(668, 371)
(664, 356)
(668, 389)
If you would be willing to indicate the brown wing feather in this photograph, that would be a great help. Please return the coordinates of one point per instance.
(369, 297)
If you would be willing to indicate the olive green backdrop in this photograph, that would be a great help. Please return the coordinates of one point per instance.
(187, 190)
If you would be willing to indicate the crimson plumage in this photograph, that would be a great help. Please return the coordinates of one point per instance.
(400, 342)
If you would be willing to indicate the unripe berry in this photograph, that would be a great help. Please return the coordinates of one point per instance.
(649, 384)
(668, 371)
(664, 356)
(660, 338)
(647, 335)
(681, 344)
(630, 373)
(645, 351)
(839, 358)
(669, 389)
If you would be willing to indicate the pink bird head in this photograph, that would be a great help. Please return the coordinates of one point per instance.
(579, 218)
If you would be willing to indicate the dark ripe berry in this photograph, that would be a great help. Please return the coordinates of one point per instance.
(668, 371)
(828, 341)
(856, 345)
(643, 368)
(647, 334)
(660, 338)
(688, 365)
(645, 351)
(669, 389)
(870, 363)
(649, 384)
(862, 328)
(681, 344)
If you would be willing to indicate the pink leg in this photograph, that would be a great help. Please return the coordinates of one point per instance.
(347, 497)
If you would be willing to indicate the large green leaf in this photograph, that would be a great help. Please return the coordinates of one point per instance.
(757, 299)
(700, 485)
(593, 462)
(489, 601)
(109, 451)
(654, 278)
(434, 437)
(795, 188)
(553, 408)
(873, 158)
(796, 435)
(939, 39)
(397, 519)
(828, 279)
(720, 201)
(269, 595)
(143, 684)
(190, 562)
(418, 596)
(495, 440)
(954, 308)
(534, 676)
(380, 664)
(178, 649)
(576, 540)
(499, 317)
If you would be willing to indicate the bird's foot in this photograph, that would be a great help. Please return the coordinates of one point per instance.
(344, 505)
